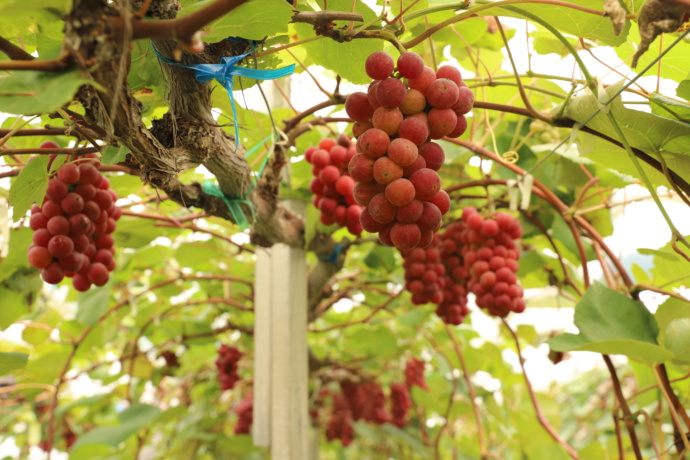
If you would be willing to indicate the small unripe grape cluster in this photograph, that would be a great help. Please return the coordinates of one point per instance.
(73, 228)
(425, 274)
(491, 259)
(332, 185)
(396, 164)
(226, 365)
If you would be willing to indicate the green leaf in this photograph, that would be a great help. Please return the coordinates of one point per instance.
(670, 268)
(378, 341)
(14, 305)
(571, 21)
(677, 338)
(394, 433)
(645, 131)
(683, 89)
(30, 185)
(92, 304)
(131, 420)
(253, 20)
(605, 314)
(673, 318)
(113, 155)
(381, 256)
(610, 322)
(32, 93)
(638, 351)
(15, 260)
(12, 361)
(670, 108)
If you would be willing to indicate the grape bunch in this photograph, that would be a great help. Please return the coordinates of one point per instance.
(395, 168)
(332, 185)
(245, 415)
(73, 228)
(339, 425)
(425, 274)
(475, 255)
(226, 364)
(491, 259)
(453, 308)
(414, 374)
(366, 400)
(400, 404)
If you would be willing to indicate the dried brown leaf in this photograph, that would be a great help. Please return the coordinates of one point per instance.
(617, 13)
(657, 17)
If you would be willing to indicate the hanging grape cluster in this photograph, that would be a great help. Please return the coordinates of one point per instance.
(73, 227)
(478, 255)
(395, 168)
(332, 185)
(245, 415)
(226, 364)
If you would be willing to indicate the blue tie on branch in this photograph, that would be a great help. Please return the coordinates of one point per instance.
(226, 70)
(224, 73)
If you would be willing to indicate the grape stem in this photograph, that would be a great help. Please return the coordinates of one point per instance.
(537, 409)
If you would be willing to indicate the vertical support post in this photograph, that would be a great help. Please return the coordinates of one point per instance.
(281, 418)
(261, 429)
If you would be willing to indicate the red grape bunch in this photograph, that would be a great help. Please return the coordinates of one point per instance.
(226, 364)
(491, 259)
(474, 255)
(400, 404)
(396, 164)
(332, 185)
(245, 415)
(425, 274)
(414, 374)
(339, 425)
(453, 308)
(73, 228)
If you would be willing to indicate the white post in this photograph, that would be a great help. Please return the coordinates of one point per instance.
(281, 418)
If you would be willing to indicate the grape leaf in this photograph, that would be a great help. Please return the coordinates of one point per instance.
(253, 20)
(572, 21)
(132, 419)
(610, 322)
(30, 93)
(29, 186)
(113, 155)
(12, 361)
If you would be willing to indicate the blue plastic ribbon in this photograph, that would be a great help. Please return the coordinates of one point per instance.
(226, 70)
(333, 257)
(233, 203)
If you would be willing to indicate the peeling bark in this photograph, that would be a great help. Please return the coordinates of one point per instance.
(188, 135)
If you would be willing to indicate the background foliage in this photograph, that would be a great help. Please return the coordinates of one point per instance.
(97, 367)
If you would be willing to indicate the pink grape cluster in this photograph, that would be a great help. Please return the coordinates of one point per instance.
(491, 259)
(395, 168)
(424, 274)
(332, 185)
(226, 365)
(245, 415)
(414, 374)
(479, 256)
(453, 308)
(73, 228)
(364, 401)
(400, 404)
